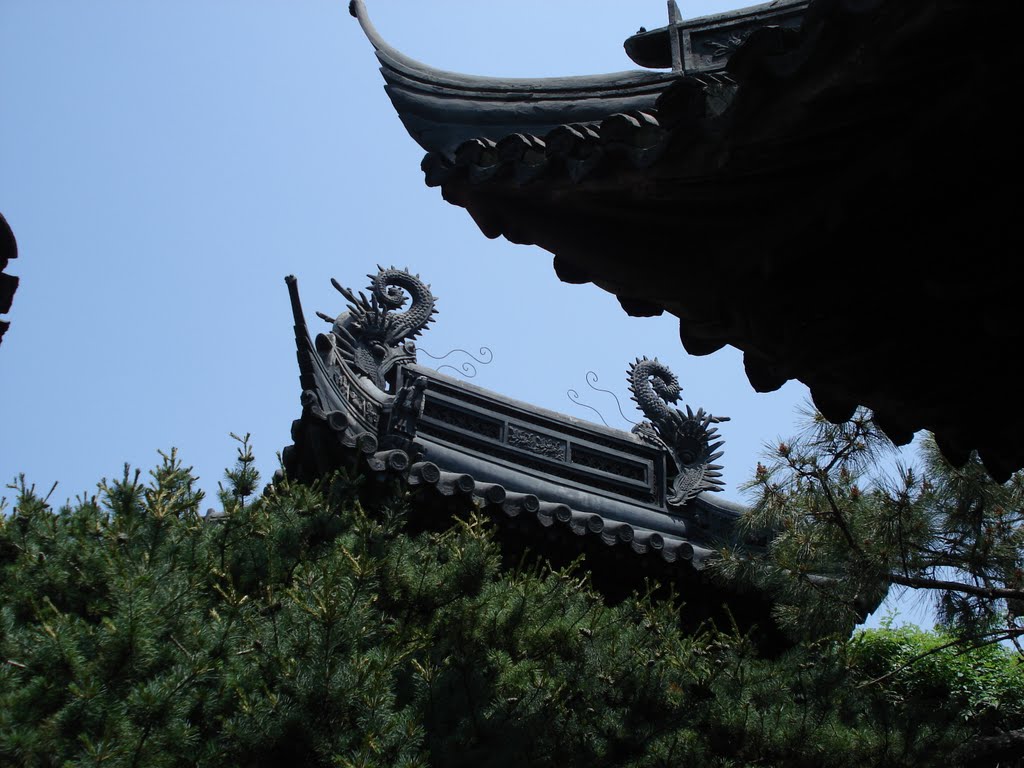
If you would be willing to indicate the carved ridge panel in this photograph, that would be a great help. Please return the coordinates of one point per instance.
(359, 405)
(535, 442)
(639, 450)
(611, 464)
(457, 417)
(563, 470)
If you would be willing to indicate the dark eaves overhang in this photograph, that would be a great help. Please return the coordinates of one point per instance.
(828, 197)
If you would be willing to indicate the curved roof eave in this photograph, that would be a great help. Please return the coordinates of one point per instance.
(442, 109)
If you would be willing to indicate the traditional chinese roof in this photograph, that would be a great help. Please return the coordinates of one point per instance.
(8, 283)
(442, 109)
(827, 195)
(637, 503)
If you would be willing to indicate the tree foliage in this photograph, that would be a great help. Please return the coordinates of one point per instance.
(842, 532)
(313, 626)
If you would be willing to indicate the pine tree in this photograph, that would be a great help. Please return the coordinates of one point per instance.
(841, 532)
(312, 626)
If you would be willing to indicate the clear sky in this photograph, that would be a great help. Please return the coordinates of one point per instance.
(165, 164)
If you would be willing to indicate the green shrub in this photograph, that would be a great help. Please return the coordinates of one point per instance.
(309, 627)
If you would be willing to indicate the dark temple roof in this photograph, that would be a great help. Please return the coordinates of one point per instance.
(8, 283)
(829, 197)
(443, 109)
(637, 504)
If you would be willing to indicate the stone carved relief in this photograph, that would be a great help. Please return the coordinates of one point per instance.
(407, 408)
(535, 442)
(610, 464)
(463, 420)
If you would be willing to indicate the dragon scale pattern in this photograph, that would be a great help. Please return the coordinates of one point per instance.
(688, 437)
(372, 336)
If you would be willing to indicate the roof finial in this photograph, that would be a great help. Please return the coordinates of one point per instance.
(674, 19)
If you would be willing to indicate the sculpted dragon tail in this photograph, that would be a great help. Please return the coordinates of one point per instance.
(389, 287)
(371, 336)
(688, 437)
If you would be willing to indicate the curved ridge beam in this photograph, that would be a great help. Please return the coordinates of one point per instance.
(442, 109)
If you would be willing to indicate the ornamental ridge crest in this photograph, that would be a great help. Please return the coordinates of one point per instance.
(375, 334)
(690, 437)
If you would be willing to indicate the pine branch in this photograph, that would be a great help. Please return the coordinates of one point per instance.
(922, 582)
(839, 519)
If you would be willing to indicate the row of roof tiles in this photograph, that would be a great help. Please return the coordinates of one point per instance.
(396, 464)
(578, 151)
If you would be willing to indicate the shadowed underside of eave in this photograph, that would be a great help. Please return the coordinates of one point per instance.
(832, 205)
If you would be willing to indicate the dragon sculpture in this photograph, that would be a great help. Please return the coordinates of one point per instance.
(372, 336)
(686, 436)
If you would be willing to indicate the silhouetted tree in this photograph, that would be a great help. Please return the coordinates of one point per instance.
(307, 626)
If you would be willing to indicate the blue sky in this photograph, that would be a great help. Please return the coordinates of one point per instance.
(165, 164)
